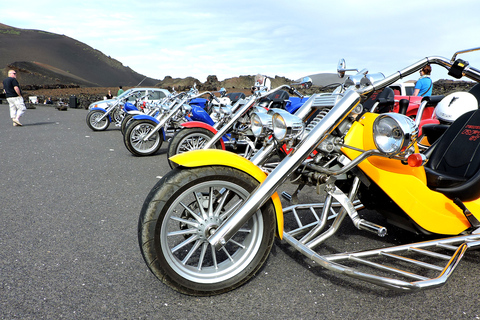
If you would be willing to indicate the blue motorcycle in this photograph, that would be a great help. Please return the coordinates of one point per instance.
(145, 134)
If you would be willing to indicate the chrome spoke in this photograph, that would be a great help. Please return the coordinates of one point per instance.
(202, 255)
(214, 257)
(184, 243)
(210, 202)
(200, 206)
(221, 204)
(231, 210)
(190, 253)
(194, 215)
(236, 243)
(228, 254)
(182, 232)
(189, 222)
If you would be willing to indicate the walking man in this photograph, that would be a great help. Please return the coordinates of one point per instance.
(14, 97)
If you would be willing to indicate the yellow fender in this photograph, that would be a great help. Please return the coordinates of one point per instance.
(215, 157)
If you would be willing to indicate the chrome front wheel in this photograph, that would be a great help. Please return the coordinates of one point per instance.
(95, 122)
(189, 139)
(135, 135)
(179, 215)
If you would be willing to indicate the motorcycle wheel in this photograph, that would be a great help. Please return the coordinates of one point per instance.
(134, 135)
(126, 121)
(93, 122)
(189, 139)
(180, 213)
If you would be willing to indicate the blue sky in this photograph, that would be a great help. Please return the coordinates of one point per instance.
(286, 38)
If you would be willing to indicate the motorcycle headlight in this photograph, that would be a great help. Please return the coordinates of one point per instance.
(393, 133)
(261, 124)
(286, 126)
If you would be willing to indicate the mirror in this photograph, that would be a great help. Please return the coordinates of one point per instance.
(341, 68)
(306, 82)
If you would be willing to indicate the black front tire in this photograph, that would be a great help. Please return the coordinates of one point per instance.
(126, 121)
(189, 139)
(94, 123)
(179, 214)
(134, 135)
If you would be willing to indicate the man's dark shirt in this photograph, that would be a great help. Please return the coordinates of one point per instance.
(9, 84)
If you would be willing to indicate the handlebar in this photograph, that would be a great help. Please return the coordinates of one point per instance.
(207, 92)
(467, 71)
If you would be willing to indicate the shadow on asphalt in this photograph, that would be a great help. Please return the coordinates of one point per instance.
(38, 124)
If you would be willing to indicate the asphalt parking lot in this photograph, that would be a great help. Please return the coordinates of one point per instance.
(70, 200)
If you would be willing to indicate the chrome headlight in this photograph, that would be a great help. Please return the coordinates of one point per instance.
(261, 124)
(286, 126)
(393, 133)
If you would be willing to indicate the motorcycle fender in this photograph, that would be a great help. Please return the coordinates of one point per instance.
(164, 135)
(212, 157)
(101, 109)
(145, 117)
(199, 124)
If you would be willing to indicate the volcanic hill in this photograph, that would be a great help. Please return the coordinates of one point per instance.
(47, 59)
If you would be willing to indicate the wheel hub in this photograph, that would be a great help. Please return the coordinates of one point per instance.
(208, 227)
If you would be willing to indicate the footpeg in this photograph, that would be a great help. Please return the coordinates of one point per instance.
(287, 196)
(374, 228)
(470, 217)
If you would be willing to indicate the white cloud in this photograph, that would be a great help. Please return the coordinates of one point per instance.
(226, 38)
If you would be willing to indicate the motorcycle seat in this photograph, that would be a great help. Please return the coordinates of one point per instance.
(454, 160)
(277, 99)
(475, 90)
(433, 131)
(279, 96)
(385, 99)
(235, 96)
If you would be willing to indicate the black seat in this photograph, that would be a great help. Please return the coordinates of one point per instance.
(277, 99)
(454, 160)
(385, 99)
(279, 96)
(475, 90)
(433, 131)
(235, 96)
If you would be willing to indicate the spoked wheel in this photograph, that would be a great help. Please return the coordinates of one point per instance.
(134, 138)
(183, 209)
(126, 121)
(189, 139)
(94, 122)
